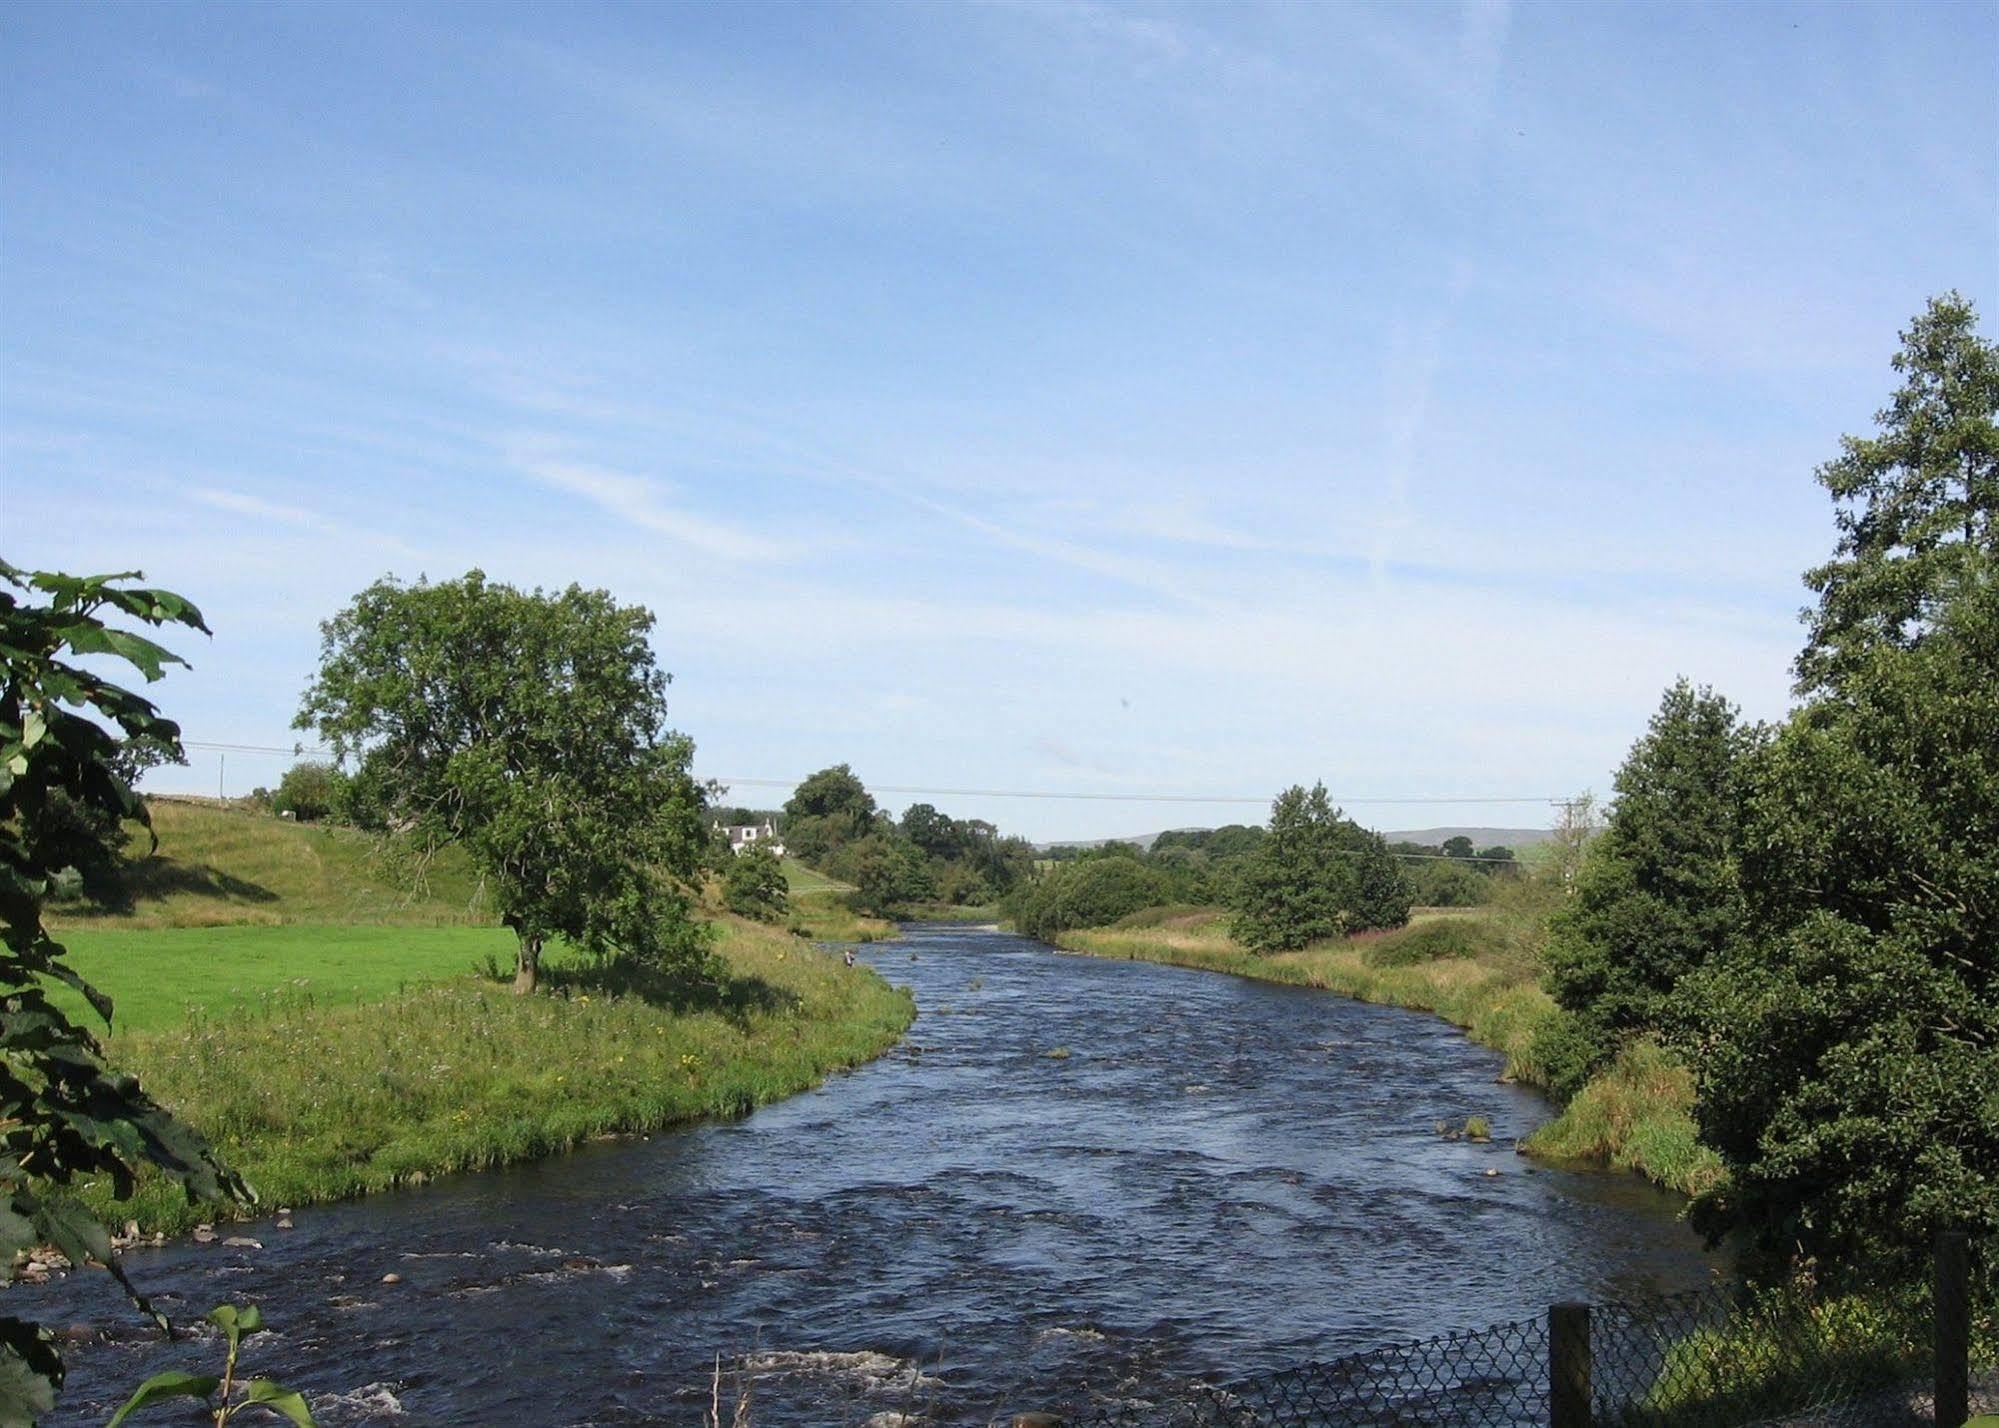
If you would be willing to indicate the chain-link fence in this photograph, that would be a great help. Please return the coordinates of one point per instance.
(1726, 1357)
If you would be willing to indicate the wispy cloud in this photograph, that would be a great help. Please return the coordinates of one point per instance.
(243, 504)
(643, 503)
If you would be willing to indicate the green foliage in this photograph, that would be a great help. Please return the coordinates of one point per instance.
(310, 792)
(65, 1115)
(1430, 942)
(1845, 1044)
(1848, 1048)
(1316, 875)
(529, 728)
(1091, 892)
(754, 885)
(1769, 1360)
(1917, 504)
(1658, 892)
(827, 811)
(888, 874)
(458, 1074)
(1452, 884)
(224, 1398)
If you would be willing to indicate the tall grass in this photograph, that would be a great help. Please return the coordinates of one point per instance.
(312, 1102)
(1480, 971)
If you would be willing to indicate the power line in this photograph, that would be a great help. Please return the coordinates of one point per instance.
(296, 750)
(1260, 798)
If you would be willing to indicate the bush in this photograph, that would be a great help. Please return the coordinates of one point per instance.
(310, 792)
(1092, 893)
(1439, 884)
(753, 885)
(1430, 942)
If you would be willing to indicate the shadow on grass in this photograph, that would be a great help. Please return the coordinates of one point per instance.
(118, 893)
(685, 991)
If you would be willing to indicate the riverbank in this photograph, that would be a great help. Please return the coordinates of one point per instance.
(312, 1101)
(1478, 970)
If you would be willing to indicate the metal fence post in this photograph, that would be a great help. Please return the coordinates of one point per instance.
(1568, 1366)
(1953, 1328)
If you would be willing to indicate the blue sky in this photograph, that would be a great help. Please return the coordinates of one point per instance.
(1103, 398)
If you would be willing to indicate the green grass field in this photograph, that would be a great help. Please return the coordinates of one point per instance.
(223, 864)
(313, 1101)
(156, 975)
(804, 881)
(314, 1005)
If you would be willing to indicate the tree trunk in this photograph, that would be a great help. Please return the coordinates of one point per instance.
(527, 970)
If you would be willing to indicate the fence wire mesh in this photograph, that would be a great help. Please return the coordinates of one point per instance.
(1724, 1357)
(1495, 1376)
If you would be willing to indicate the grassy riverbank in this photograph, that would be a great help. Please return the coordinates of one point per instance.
(1479, 969)
(313, 1101)
(317, 1007)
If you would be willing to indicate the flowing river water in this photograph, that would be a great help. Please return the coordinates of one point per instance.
(1220, 1177)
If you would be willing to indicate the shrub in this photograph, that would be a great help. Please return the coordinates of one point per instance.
(753, 885)
(1430, 942)
(1092, 893)
(310, 792)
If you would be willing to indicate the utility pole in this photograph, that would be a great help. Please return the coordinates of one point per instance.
(221, 767)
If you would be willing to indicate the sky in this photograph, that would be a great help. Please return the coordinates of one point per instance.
(1086, 398)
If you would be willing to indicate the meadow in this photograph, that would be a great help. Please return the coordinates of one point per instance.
(1478, 968)
(337, 1022)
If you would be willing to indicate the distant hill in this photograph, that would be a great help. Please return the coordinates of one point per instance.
(1481, 837)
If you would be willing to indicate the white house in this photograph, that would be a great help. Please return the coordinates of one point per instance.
(741, 835)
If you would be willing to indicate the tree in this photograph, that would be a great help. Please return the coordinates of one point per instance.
(830, 809)
(309, 791)
(531, 729)
(754, 884)
(934, 834)
(65, 1115)
(1658, 893)
(1449, 884)
(1847, 1046)
(1092, 892)
(1458, 847)
(889, 874)
(1917, 504)
(1316, 875)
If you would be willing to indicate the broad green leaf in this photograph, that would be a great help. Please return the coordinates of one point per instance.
(163, 1386)
(280, 1399)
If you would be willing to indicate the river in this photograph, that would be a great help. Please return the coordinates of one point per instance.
(1219, 1177)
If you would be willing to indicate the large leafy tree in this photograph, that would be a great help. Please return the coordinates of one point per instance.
(67, 736)
(1917, 503)
(830, 809)
(529, 727)
(1316, 875)
(1658, 893)
(1847, 1051)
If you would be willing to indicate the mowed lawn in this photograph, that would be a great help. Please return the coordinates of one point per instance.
(154, 976)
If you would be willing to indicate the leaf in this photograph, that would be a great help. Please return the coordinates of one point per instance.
(162, 1386)
(279, 1399)
(236, 1324)
(30, 1373)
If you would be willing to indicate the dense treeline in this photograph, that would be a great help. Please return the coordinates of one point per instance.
(1808, 912)
(1311, 874)
(832, 823)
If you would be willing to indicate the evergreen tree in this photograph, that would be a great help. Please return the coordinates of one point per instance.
(1316, 875)
(1916, 504)
(1658, 893)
